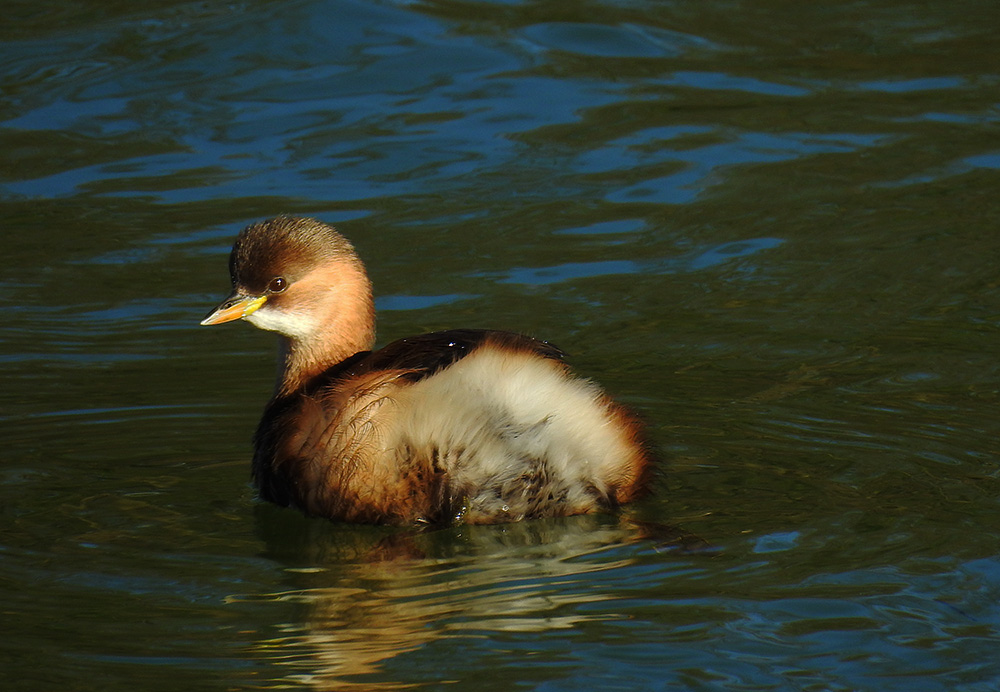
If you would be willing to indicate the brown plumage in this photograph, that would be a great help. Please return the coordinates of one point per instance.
(465, 425)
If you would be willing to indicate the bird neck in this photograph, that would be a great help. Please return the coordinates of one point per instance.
(344, 326)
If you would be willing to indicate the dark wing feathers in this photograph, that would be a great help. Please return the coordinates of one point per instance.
(426, 354)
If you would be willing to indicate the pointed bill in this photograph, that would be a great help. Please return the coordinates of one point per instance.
(235, 307)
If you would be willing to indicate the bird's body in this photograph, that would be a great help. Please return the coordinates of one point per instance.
(468, 425)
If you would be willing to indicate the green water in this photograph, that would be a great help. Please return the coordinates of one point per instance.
(770, 228)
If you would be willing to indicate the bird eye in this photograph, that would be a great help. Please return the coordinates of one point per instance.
(277, 285)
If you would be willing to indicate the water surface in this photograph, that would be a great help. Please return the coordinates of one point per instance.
(769, 228)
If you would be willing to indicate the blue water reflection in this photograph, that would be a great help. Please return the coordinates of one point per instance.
(695, 260)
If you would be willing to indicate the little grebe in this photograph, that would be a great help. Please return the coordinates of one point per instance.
(466, 425)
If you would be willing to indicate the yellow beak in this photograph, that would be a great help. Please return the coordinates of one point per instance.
(235, 307)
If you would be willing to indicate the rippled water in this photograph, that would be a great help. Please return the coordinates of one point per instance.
(768, 227)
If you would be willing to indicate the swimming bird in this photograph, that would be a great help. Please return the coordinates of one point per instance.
(462, 426)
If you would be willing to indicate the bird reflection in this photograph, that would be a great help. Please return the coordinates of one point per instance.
(369, 594)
